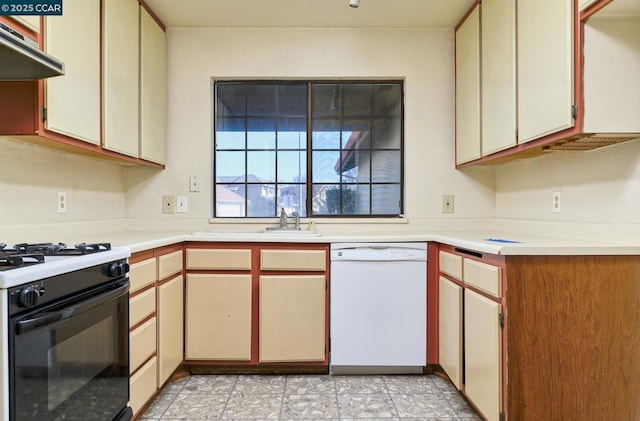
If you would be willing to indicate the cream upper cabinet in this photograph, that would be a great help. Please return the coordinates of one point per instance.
(545, 67)
(153, 89)
(468, 89)
(120, 76)
(498, 35)
(32, 21)
(73, 100)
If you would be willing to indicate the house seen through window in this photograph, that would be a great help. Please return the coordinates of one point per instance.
(316, 148)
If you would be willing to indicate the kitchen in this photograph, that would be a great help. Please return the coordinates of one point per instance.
(599, 188)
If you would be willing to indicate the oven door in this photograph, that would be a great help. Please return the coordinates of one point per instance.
(70, 361)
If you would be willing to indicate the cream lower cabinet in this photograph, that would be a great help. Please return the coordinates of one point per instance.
(470, 329)
(218, 317)
(292, 318)
(170, 327)
(450, 330)
(483, 354)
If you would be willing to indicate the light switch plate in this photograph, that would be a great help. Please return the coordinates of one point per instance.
(194, 184)
(181, 204)
(447, 203)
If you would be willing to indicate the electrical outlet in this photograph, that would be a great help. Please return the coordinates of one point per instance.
(557, 202)
(62, 202)
(168, 204)
(181, 204)
(194, 184)
(447, 203)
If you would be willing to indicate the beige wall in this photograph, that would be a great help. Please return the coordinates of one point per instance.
(423, 58)
(600, 186)
(31, 177)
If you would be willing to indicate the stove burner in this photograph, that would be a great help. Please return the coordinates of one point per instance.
(25, 254)
(12, 259)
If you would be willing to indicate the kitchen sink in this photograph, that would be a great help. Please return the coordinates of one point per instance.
(265, 233)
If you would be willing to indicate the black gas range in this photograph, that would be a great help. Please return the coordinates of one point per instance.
(65, 324)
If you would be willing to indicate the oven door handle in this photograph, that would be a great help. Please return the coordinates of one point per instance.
(42, 319)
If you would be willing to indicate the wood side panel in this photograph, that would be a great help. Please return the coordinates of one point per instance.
(433, 310)
(574, 337)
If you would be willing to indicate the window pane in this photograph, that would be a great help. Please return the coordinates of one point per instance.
(326, 199)
(230, 200)
(387, 99)
(230, 167)
(385, 199)
(385, 133)
(292, 133)
(230, 133)
(261, 134)
(355, 199)
(355, 166)
(356, 99)
(325, 100)
(326, 134)
(261, 100)
(386, 167)
(324, 167)
(292, 166)
(292, 100)
(261, 200)
(230, 99)
(261, 166)
(292, 198)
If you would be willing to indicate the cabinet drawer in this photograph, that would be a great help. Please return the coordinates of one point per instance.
(222, 259)
(311, 260)
(169, 264)
(483, 276)
(451, 264)
(142, 274)
(142, 344)
(143, 385)
(141, 306)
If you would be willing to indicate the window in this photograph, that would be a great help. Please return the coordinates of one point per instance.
(316, 148)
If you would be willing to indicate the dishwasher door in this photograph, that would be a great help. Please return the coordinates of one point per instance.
(378, 307)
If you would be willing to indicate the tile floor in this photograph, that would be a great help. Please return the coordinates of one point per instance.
(310, 397)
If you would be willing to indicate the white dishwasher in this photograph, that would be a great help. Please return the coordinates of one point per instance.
(378, 308)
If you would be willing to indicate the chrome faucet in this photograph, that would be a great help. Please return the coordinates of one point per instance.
(284, 219)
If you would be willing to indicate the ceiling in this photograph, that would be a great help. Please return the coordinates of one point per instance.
(310, 13)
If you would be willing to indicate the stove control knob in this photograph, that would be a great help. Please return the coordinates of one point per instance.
(28, 297)
(117, 269)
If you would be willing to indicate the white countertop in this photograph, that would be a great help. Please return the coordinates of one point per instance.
(474, 240)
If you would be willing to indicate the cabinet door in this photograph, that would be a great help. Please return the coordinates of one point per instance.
(468, 89)
(153, 89)
(498, 75)
(545, 67)
(292, 318)
(483, 354)
(450, 330)
(170, 327)
(218, 317)
(120, 73)
(73, 100)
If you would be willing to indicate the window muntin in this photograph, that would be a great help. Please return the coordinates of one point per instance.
(264, 156)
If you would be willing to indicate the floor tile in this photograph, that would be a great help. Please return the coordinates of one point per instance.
(408, 385)
(259, 385)
(300, 385)
(422, 406)
(459, 404)
(176, 385)
(359, 385)
(196, 407)
(253, 406)
(159, 405)
(366, 405)
(310, 406)
(210, 384)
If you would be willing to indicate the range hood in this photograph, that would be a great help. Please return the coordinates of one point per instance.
(20, 58)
